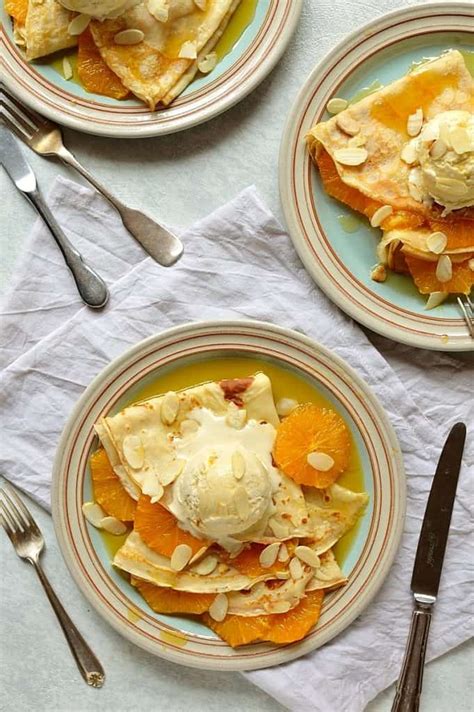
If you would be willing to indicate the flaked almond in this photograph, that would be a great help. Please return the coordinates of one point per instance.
(171, 471)
(181, 557)
(347, 124)
(208, 63)
(351, 156)
(236, 417)
(285, 406)
(93, 513)
(112, 525)
(159, 10)
(460, 140)
(280, 607)
(283, 553)
(152, 487)
(131, 36)
(169, 408)
(416, 185)
(378, 273)
(415, 123)
(242, 503)
(320, 461)
(78, 24)
(133, 451)
(238, 465)
(335, 105)
(435, 299)
(67, 69)
(201, 5)
(218, 608)
(430, 132)
(380, 214)
(438, 149)
(452, 187)
(437, 242)
(206, 566)
(188, 427)
(268, 556)
(188, 50)
(308, 556)
(323, 575)
(357, 141)
(279, 529)
(444, 269)
(283, 575)
(296, 569)
(409, 153)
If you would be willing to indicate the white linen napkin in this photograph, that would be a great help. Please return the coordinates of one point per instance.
(238, 263)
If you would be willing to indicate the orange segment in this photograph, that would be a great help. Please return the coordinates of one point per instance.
(93, 72)
(294, 625)
(424, 276)
(108, 490)
(237, 630)
(403, 220)
(18, 9)
(159, 529)
(166, 600)
(336, 188)
(248, 561)
(460, 233)
(308, 429)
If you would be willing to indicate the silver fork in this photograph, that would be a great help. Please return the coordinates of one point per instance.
(28, 543)
(45, 138)
(467, 308)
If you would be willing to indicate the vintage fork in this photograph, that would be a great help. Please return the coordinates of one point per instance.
(45, 138)
(28, 543)
(467, 308)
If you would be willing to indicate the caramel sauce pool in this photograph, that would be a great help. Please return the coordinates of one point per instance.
(285, 383)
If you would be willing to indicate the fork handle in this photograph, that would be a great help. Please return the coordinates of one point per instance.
(90, 668)
(90, 286)
(158, 241)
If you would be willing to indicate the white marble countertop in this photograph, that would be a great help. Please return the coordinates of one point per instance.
(179, 178)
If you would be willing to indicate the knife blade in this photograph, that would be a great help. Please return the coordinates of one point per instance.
(428, 567)
(91, 287)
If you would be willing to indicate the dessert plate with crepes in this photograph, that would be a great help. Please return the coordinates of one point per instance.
(377, 175)
(228, 495)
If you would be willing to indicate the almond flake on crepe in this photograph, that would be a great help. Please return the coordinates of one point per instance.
(285, 406)
(281, 607)
(409, 153)
(238, 465)
(131, 36)
(348, 125)
(378, 273)
(460, 140)
(112, 525)
(94, 513)
(351, 156)
(152, 487)
(269, 555)
(415, 123)
(169, 408)
(208, 63)
(380, 214)
(444, 269)
(159, 9)
(435, 299)
(218, 608)
(437, 242)
(67, 69)
(78, 24)
(206, 566)
(430, 132)
(278, 529)
(454, 188)
(296, 569)
(320, 461)
(335, 105)
(171, 472)
(188, 50)
(416, 185)
(133, 451)
(438, 149)
(283, 554)
(181, 557)
(308, 556)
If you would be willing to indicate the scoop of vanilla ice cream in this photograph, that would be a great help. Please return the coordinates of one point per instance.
(99, 9)
(223, 491)
(445, 149)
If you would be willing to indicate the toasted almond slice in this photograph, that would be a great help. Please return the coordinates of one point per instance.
(279, 529)
(409, 153)
(435, 299)
(208, 63)
(269, 555)
(415, 123)
(460, 140)
(133, 451)
(218, 608)
(188, 50)
(181, 557)
(94, 513)
(437, 242)
(347, 124)
(335, 105)
(130, 36)
(380, 214)
(169, 408)
(188, 427)
(206, 566)
(296, 569)
(415, 184)
(285, 406)
(357, 141)
(444, 269)
(201, 4)
(242, 503)
(280, 607)
(78, 24)
(67, 69)
(351, 156)
(430, 132)
(172, 471)
(238, 465)
(322, 575)
(378, 273)
(283, 575)
(308, 556)
(113, 526)
(438, 149)
(454, 188)
(283, 553)
(236, 417)
(320, 461)
(159, 10)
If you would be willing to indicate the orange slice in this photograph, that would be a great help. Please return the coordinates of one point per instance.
(248, 561)
(108, 490)
(93, 72)
(238, 630)
(159, 529)
(460, 233)
(424, 276)
(167, 600)
(309, 429)
(18, 9)
(336, 188)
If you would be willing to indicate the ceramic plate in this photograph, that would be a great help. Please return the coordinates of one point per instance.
(255, 52)
(340, 262)
(371, 552)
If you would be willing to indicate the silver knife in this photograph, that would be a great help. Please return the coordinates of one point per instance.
(90, 286)
(428, 566)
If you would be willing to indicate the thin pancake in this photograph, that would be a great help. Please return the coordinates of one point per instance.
(45, 29)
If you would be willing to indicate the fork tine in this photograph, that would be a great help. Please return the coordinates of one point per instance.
(10, 507)
(22, 131)
(28, 517)
(18, 109)
(5, 523)
(467, 313)
(13, 524)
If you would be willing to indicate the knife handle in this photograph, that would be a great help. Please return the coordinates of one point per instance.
(407, 698)
(90, 286)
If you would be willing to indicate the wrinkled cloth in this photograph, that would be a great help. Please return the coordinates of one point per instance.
(238, 263)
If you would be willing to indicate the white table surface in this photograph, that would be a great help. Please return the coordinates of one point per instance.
(179, 178)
